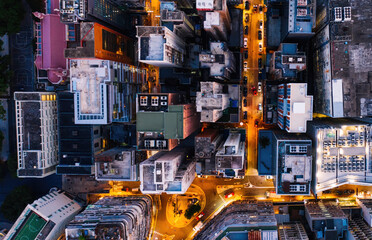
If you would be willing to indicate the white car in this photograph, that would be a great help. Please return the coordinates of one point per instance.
(245, 42)
(260, 46)
(245, 66)
(259, 107)
(259, 88)
(261, 24)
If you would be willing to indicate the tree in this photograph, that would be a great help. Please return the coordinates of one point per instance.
(11, 16)
(5, 73)
(264, 141)
(12, 165)
(1, 140)
(16, 201)
(191, 210)
(2, 112)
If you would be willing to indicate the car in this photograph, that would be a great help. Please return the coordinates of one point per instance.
(260, 24)
(246, 54)
(229, 194)
(260, 107)
(246, 18)
(254, 90)
(245, 115)
(259, 88)
(260, 8)
(245, 66)
(245, 80)
(254, 8)
(246, 5)
(260, 76)
(246, 30)
(245, 42)
(260, 63)
(245, 91)
(200, 216)
(259, 35)
(260, 46)
(245, 102)
(256, 123)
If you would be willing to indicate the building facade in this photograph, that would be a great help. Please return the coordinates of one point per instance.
(37, 144)
(113, 217)
(295, 107)
(167, 172)
(46, 218)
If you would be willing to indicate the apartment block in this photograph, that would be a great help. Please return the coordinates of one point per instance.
(45, 218)
(37, 144)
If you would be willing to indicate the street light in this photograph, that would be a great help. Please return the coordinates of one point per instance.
(241, 123)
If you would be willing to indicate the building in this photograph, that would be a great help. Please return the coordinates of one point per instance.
(295, 107)
(37, 144)
(50, 44)
(289, 158)
(103, 12)
(176, 20)
(217, 22)
(342, 68)
(131, 4)
(326, 219)
(169, 172)
(286, 62)
(77, 143)
(366, 205)
(162, 121)
(298, 19)
(292, 231)
(161, 47)
(218, 102)
(230, 156)
(343, 152)
(95, 41)
(242, 219)
(45, 218)
(219, 60)
(206, 145)
(113, 218)
(118, 164)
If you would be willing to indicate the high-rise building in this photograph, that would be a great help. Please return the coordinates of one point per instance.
(113, 218)
(118, 164)
(343, 152)
(242, 219)
(37, 144)
(326, 219)
(218, 102)
(50, 44)
(162, 121)
(217, 21)
(343, 84)
(101, 11)
(230, 156)
(287, 62)
(289, 158)
(77, 143)
(45, 218)
(295, 107)
(169, 172)
(159, 46)
(219, 60)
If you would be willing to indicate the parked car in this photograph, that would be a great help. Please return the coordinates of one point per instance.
(245, 80)
(200, 216)
(256, 123)
(260, 107)
(246, 18)
(260, 8)
(245, 91)
(229, 195)
(254, 8)
(260, 76)
(259, 88)
(254, 90)
(245, 102)
(246, 30)
(260, 24)
(245, 115)
(245, 42)
(260, 63)
(260, 46)
(246, 54)
(245, 66)
(246, 5)
(259, 35)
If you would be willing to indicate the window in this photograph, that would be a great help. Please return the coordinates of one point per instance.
(74, 133)
(74, 146)
(109, 41)
(95, 132)
(96, 145)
